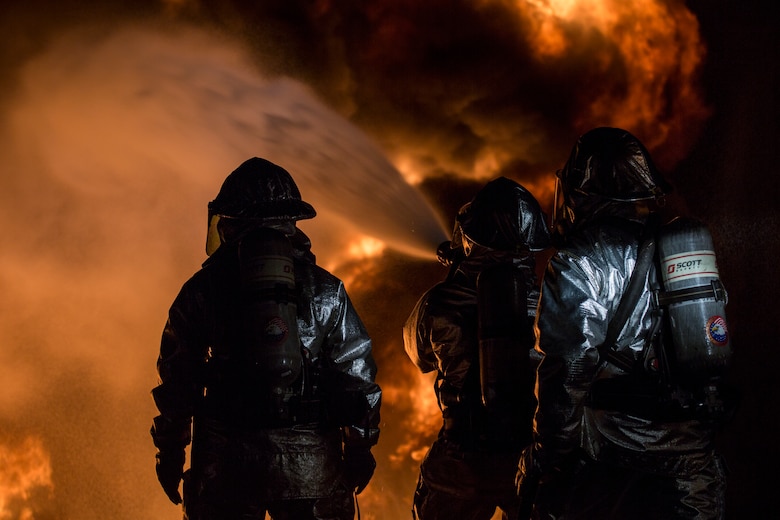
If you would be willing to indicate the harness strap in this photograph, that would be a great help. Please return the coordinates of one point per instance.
(636, 285)
(714, 290)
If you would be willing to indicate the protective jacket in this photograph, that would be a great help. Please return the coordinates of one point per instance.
(476, 453)
(581, 291)
(246, 444)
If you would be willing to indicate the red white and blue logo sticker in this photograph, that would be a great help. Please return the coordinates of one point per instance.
(717, 332)
(275, 331)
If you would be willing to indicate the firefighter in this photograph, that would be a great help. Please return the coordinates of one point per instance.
(265, 369)
(613, 437)
(475, 330)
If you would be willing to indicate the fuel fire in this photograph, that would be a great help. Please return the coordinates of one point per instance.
(25, 477)
(117, 132)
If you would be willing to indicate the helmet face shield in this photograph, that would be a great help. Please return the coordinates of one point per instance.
(213, 240)
(562, 217)
(557, 198)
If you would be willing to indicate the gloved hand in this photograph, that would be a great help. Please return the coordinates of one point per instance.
(170, 468)
(359, 466)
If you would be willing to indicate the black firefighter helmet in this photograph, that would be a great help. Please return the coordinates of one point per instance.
(502, 216)
(257, 191)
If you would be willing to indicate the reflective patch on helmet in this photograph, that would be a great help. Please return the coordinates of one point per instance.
(717, 332)
(275, 331)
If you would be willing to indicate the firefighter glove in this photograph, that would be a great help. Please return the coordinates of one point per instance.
(170, 468)
(359, 466)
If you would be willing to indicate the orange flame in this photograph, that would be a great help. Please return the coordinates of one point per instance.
(24, 468)
(416, 423)
(423, 420)
(647, 47)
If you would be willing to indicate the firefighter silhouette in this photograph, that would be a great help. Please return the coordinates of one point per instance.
(474, 329)
(265, 368)
(623, 429)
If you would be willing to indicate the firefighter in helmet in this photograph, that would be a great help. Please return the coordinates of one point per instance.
(610, 441)
(265, 369)
(475, 330)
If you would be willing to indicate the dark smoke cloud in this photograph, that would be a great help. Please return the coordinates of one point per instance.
(460, 88)
(449, 87)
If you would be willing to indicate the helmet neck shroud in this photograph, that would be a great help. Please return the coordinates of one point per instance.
(609, 173)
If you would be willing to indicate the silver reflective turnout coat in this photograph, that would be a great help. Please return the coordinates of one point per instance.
(580, 294)
(475, 455)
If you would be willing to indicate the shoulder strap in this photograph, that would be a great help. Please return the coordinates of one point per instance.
(626, 306)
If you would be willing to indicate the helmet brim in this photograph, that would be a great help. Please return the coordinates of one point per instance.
(286, 209)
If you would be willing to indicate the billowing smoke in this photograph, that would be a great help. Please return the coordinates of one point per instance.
(181, 110)
(116, 144)
(496, 86)
(115, 136)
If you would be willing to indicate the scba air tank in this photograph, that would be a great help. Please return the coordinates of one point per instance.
(503, 332)
(269, 311)
(695, 300)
